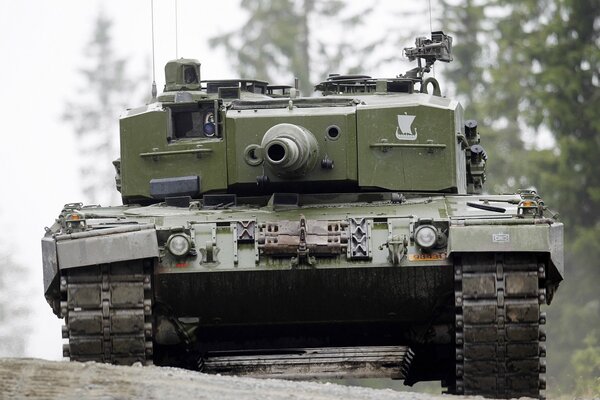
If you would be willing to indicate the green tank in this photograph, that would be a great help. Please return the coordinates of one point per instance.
(342, 235)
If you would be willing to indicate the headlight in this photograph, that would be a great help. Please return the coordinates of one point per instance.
(178, 245)
(426, 236)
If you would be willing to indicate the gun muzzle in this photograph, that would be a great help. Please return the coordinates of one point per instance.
(290, 150)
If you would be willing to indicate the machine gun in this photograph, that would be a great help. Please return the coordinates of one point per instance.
(439, 47)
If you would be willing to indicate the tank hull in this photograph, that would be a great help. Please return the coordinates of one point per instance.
(289, 290)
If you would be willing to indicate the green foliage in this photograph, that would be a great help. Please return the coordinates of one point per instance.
(489, 91)
(587, 366)
(542, 74)
(562, 96)
(282, 37)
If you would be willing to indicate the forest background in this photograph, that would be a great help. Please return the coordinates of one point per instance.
(528, 71)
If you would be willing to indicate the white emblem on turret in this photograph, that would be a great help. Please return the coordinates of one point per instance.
(403, 130)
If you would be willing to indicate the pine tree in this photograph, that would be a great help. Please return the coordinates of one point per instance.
(15, 309)
(563, 96)
(477, 71)
(94, 114)
(543, 75)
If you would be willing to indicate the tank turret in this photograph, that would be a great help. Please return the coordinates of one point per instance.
(239, 136)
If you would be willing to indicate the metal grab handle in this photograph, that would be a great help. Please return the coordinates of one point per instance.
(154, 154)
(436, 86)
(410, 145)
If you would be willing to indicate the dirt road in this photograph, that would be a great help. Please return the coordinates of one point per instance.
(40, 379)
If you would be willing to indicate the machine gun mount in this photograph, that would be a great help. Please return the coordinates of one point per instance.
(439, 47)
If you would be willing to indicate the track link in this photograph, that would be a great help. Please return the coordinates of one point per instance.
(498, 325)
(108, 312)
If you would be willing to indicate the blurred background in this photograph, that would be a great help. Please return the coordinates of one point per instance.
(527, 70)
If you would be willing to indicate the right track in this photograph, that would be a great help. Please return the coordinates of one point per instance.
(498, 325)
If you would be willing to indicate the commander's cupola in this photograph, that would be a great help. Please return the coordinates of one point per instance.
(182, 74)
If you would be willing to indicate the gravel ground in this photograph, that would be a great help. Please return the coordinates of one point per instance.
(41, 379)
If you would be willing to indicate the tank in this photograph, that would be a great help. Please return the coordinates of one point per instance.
(346, 234)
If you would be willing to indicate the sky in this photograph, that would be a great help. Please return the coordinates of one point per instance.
(41, 48)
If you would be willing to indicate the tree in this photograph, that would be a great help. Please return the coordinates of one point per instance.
(477, 70)
(281, 37)
(564, 97)
(544, 76)
(94, 114)
(15, 323)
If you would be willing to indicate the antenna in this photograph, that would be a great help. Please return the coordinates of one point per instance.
(430, 24)
(176, 33)
(153, 67)
(430, 30)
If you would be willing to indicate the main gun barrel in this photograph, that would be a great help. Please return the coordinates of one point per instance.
(290, 150)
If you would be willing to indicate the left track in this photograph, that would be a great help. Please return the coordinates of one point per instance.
(108, 312)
